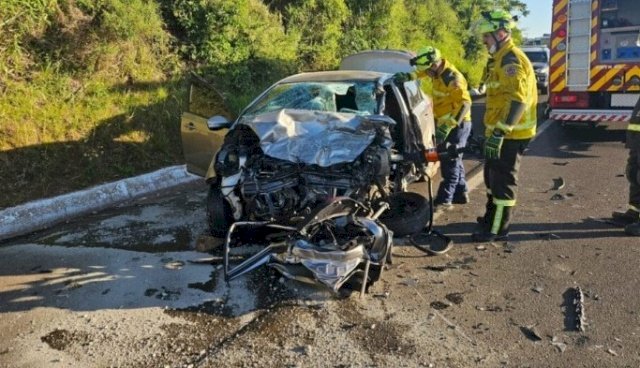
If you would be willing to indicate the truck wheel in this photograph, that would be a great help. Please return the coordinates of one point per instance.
(219, 215)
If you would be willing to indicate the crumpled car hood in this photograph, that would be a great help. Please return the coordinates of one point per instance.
(317, 137)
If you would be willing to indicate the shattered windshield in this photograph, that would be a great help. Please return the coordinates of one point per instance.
(347, 96)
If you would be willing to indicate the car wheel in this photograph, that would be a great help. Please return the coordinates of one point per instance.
(408, 213)
(219, 215)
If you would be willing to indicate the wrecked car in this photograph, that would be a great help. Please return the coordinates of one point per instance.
(310, 137)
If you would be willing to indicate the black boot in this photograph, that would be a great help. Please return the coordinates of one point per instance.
(461, 198)
(497, 228)
(486, 219)
(626, 218)
(632, 229)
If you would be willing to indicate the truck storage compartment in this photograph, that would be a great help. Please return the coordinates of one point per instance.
(620, 31)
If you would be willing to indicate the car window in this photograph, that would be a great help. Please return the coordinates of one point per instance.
(354, 97)
(205, 102)
(537, 56)
(413, 94)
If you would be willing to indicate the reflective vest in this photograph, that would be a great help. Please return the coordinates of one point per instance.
(449, 92)
(510, 77)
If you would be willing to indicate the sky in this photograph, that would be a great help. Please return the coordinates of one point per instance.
(538, 21)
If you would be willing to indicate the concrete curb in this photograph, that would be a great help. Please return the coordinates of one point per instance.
(40, 214)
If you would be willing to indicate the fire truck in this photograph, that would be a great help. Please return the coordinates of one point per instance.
(594, 69)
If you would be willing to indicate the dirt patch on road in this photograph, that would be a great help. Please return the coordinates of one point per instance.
(61, 339)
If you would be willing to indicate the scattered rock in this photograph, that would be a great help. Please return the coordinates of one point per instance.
(537, 289)
(531, 333)
(455, 298)
(559, 345)
(558, 197)
(558, 183)
(436, 268)
(491, 308)
(382, 295)
(302, 350)
(347, 326)
(438, 305)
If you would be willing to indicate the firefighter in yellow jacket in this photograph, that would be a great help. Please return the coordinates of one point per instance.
(452, 110)
(510, 121)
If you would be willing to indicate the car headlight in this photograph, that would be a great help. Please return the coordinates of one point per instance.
(227, 161)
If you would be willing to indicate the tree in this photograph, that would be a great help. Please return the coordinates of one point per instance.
(319, 26)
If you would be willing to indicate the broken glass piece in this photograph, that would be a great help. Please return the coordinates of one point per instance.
(558, 183)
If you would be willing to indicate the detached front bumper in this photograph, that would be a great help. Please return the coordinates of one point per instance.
(331, 245)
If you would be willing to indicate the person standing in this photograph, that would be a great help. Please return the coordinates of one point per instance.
(452, 111)
(631, 218)
(510, 121)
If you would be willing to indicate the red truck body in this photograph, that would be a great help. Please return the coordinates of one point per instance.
(594, 69)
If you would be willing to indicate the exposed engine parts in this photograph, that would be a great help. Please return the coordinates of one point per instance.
(277, 190)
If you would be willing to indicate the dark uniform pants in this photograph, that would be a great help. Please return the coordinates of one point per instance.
(633, 176)
(501, 179)
(501, 175)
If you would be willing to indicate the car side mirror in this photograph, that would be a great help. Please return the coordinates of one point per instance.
(218, 122)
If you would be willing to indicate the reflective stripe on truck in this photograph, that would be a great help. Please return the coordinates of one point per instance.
(591, 115)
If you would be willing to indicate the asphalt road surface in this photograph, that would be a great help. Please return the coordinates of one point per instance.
(124, 288)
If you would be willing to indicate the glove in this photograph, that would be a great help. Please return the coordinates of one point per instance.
(493, 145)
(443, 132)
(401, 77)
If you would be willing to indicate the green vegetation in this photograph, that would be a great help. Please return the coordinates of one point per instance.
(92, 90)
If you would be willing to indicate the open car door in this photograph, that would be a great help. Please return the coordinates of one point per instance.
(200, 138)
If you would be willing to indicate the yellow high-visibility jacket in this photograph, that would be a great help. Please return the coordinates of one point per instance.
(510, 77)
(449, 93)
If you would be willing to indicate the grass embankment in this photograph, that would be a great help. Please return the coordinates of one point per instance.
(88, 94)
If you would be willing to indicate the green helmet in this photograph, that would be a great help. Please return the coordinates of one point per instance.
(494, 20)
(426, 57)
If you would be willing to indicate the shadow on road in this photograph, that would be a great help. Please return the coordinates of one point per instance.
(589, 228)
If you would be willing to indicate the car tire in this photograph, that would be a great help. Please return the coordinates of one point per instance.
(219, 214)
(407, 215)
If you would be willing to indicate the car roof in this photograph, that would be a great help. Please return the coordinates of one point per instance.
(384, 61)
(333, 76)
